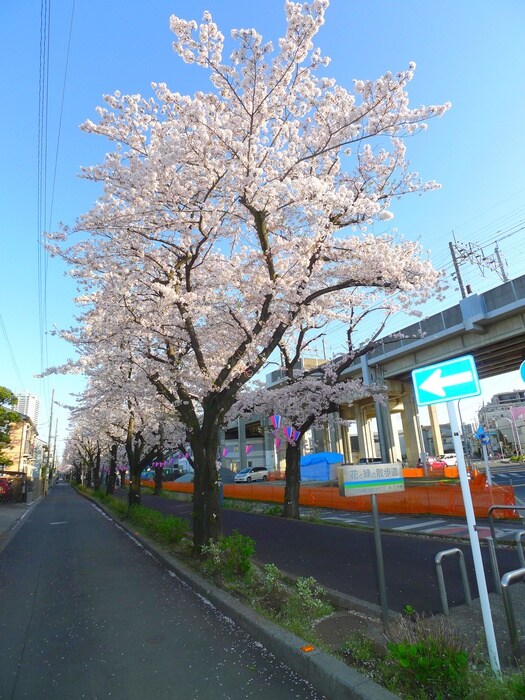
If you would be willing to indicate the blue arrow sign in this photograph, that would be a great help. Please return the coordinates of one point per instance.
(446, 381)
(480, 432)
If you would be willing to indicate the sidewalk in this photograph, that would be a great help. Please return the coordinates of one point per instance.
(10, 516)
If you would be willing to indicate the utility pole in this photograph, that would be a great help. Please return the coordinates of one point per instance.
(474, 254)
(456, 268)
(45, 469)
(54, 452)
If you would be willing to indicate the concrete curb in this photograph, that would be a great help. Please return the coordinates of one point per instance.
(328, 675)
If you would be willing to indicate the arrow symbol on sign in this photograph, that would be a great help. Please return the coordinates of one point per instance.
(436, 383)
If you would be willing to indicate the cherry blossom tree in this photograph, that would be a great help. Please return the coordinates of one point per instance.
(121, 407)
(230, 218)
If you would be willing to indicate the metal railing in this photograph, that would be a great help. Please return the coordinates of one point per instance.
(508, 579)
(491, 521)
(519, 544)
(441, 581)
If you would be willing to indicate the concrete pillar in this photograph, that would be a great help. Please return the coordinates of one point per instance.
(396, 443)
(241, 427)
(386, 433)
(410, 427)
(436, 430)
(364, 432)
(270, 457)
(346, 442)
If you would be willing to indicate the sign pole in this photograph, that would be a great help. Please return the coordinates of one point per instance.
(474, 541)
(487, 466)
(380, 562)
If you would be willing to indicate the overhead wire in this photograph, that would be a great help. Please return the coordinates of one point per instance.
(43, 109)
(492, 233)
(45, 203)
(11, 354)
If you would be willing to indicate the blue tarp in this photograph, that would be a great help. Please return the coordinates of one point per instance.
(321, 466)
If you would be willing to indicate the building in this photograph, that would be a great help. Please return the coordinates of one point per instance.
(21, 448)
(28, 405)
(503, 418)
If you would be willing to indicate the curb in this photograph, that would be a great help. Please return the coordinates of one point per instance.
(328, 675)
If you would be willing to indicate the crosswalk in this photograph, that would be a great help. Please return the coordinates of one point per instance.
(437, 527)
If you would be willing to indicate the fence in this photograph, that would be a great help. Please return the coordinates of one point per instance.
(436, 499)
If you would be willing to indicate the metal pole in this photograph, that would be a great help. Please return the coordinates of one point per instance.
(487, 467)
(494, 563)
(380, 563)
(456, 269)
(474, 541)
(45, 470)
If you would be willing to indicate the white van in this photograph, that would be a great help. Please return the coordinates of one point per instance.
(450, 459)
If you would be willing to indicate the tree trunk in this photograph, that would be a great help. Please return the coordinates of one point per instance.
(207, 515)
(134, 486)
(96, 471)
(122, 478)
(77, 471)
(112, 476)
(158, 480)
(293, 482)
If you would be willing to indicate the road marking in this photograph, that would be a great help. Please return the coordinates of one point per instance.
(427, 523)
(59, 522)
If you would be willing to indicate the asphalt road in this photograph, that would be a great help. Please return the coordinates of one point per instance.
(87, 613)
(344, 559)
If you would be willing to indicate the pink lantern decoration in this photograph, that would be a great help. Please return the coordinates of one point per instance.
(248, 449)
(296, 435)
(225, 451)
(277, 443)
(289, 432)
(275, 421)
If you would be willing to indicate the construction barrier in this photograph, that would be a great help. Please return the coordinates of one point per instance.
(413, 472)
(435, 499)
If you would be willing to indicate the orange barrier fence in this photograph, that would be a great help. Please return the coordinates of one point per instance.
(438, 499)
(413, 472)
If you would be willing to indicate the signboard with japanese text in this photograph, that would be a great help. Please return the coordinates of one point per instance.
(370, 479)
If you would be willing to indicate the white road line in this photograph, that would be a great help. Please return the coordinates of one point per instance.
(420, 525)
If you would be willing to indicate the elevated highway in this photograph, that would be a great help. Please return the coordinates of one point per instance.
(489, 326)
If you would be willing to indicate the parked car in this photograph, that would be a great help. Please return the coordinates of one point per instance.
(252, 474)
(450, 459)
(433, 463)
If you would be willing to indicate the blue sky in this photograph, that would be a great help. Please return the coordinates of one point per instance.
(468, 52)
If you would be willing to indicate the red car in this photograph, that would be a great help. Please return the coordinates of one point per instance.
(433, 464)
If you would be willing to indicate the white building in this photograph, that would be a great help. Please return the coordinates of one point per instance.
(29, 405)
(504, 419)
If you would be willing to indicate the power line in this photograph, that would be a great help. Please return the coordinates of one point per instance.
(43, 108)
(11, 354)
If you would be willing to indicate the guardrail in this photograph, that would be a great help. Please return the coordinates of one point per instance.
(508, 579)
(441, 581)
(519, 544)
(494, 507)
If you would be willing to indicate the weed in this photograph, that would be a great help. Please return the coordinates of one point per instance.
(230, 557)
(307, 602)
(426, 662)
(359, 650)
